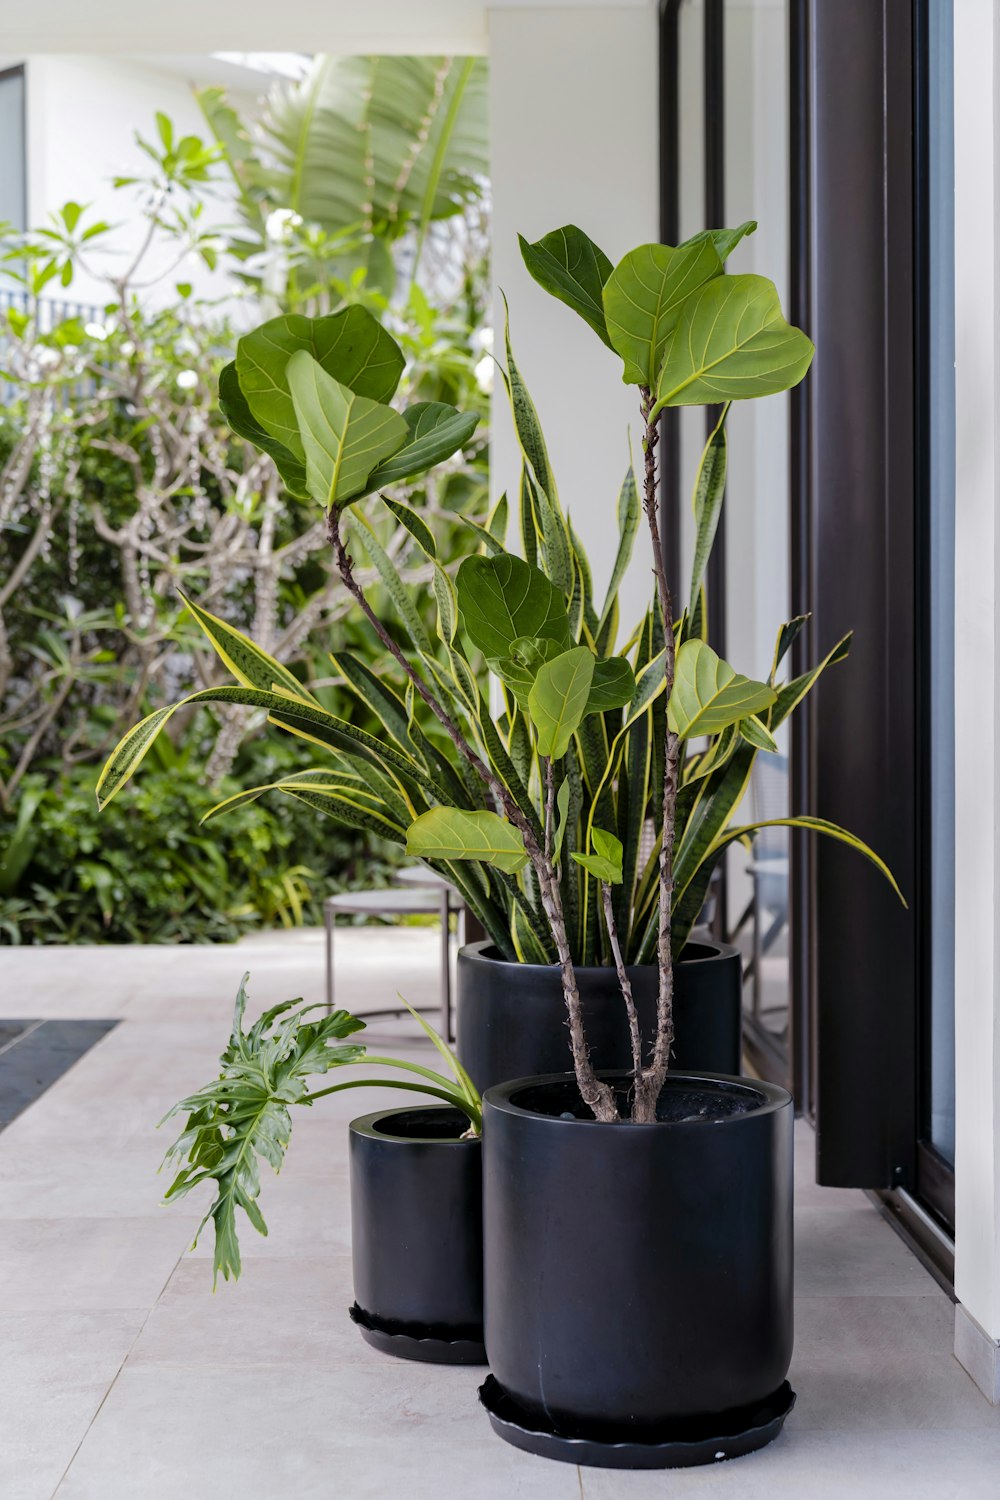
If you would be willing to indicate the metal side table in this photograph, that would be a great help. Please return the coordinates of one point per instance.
(432, 897)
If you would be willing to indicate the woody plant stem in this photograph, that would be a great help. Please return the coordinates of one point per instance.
(595, 1094)
(654, 1075)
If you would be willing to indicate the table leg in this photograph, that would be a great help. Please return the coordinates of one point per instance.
(329, 915)
(445, 965)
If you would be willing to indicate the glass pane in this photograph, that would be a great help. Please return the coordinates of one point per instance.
(757, 493)
(939, 1123)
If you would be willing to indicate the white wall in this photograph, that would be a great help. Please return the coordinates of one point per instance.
(573, 95)
(977, 696)
(82, 115)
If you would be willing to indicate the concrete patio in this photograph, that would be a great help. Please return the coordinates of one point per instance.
(123, 1378)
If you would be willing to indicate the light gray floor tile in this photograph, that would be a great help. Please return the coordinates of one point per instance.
(852, 1251)
(54, 1371)
(88, 1265)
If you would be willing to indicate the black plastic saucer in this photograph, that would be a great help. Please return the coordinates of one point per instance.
(682, 1445)
(427, 1346)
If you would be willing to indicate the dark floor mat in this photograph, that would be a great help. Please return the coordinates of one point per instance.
(34, 1054)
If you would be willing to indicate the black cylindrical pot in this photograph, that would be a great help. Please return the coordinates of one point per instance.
(417, 1234)
(638, 1276)
(511, 1017)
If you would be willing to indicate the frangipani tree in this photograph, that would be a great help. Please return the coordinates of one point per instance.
(536, 815)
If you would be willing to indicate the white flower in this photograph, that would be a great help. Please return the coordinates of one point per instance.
(128, 347)
(280, 221)
(484, 374)
(47, 357)
(483, 339)
(95, 330)
(187, 380)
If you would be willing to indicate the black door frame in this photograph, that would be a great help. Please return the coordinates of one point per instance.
(859, 538)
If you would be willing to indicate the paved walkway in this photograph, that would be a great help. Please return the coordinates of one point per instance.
(123, 1378)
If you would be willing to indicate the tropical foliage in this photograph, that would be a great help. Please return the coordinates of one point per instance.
(120, 483)
(244, 1117)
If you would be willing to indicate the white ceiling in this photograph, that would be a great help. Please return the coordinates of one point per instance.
(203, 26)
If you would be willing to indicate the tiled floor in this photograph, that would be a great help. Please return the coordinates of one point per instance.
(123, 1378)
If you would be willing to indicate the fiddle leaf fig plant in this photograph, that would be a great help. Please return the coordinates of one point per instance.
(536, 804)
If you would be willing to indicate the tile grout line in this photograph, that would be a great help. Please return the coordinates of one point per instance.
(114, 1380)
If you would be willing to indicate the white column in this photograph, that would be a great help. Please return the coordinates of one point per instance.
(573, 99)
(977, 698)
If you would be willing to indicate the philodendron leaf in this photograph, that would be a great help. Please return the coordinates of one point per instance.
(605, 863)
(435, 431)
(451, 833)
(731, 343)
(234, 407)
(558, 699)
(708, 694)
(344, 435)
(571, 267)
(643, 298)
(503, 598)
(612, 686)
(351, 345)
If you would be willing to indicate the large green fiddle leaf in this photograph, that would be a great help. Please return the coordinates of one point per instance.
(236, 410)
(503, 599)
(725, 240)
(612, 686)
(731, 343)
(350, 345)
(435, 431)
(643, 298)
(243, 1117)
(451, 833)
(528, 654)
(345, 436)
(558, 699)
(572, 268)
(708, 694)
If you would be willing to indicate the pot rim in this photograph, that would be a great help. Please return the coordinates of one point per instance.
(499, 1098)
(365, 1126)
(475, 953)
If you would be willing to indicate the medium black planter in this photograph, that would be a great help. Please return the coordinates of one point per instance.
(639, 1277)
(511, 1018)
(417, 1234)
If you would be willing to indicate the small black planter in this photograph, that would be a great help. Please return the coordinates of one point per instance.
(417, 1235)
(511, 1018)
(639, 1277)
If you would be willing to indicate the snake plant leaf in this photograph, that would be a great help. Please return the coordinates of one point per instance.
(613, 685)
(731, 343)
(344, 435)
(499, 519)
(415, 524)
(350, 345)
(243, 1117)
(787, 636)
(435, 431)
(628, 524)
(757, 734)
(234, 407)
(708, 694)
(558, 699)
(503, 598)
(605, 863)
(568, 265)
(451, 833)
(530, 436)
(248, 662)
(643, 298)
(709, 491)
(725, 240)
(814, 825)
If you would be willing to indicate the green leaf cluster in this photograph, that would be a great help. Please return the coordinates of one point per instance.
(243, 1118)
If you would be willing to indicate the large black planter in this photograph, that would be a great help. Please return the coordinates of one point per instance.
(511, 1018)
(639, 1277)
(417, 1234)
